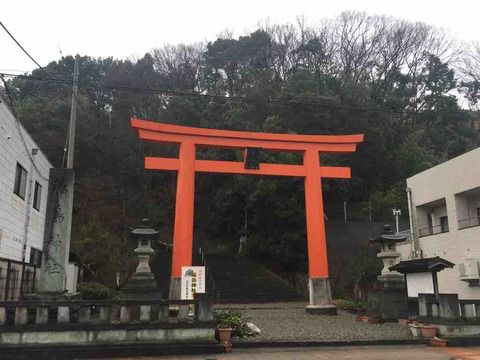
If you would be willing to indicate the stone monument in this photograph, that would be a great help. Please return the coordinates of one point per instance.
(56, 244)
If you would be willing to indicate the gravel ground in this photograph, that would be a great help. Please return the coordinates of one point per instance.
(289, 322)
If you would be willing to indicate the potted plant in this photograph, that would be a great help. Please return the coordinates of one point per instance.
(225, 337)
(229, 323)
(428, 331)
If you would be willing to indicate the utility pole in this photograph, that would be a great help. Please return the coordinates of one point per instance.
(58, 224)
(370, 211)
(73, 116)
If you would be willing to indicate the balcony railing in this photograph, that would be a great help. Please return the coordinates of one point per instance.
(465, 223)
(432, 230)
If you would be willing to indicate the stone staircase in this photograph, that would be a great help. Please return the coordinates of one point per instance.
(241, 280)
(232, 279)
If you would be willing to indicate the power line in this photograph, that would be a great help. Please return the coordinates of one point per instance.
(25, 51)
(49, 75)
(189, 94)
(216, 97)
(144, 90)
(196, 94)
(19, 130)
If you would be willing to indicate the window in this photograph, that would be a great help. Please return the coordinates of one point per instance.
(37, 196)
(20, 181)
(35, 257)
(443, 224)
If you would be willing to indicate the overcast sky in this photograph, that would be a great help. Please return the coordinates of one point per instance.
(126, 29)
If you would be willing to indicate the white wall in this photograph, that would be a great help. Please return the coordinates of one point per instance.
(71, 278)
(12, 207)
(445, 181)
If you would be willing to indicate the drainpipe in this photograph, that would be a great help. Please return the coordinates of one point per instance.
(28, 210)
(413, 233)
(26, 224)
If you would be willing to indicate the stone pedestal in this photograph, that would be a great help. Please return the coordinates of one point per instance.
(388, 301)
(141, 286)
(320, 297)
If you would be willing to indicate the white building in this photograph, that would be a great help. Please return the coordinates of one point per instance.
(445, 216)
(24, 172)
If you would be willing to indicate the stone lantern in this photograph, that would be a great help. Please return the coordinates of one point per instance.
(387, 300)
(388, 254)
(142, 283)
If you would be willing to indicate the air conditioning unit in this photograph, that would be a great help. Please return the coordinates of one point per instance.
(469, 270)
(417, 254)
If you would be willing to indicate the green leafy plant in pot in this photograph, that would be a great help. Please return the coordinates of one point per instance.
(229, 323)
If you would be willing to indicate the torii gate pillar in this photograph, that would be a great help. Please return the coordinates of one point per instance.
(188, 138)
(320, 297)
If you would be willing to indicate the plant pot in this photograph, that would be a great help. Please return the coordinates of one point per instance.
(370, 320)
(225, 338)
(415, 329)
(438, 342)
(429, 331)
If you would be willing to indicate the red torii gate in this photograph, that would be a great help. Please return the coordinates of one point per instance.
(311, 146)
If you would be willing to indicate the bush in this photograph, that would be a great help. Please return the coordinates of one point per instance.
(232, 319)
(358, 307)
(95, 291)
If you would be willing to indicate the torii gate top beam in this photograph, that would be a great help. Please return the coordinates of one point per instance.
(160, 132)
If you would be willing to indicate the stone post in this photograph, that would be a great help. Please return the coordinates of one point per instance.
(58, 223)
(41, 316)
(204, 307)
(3, 315)
(448, 306)
(21, 315)
(425, 302)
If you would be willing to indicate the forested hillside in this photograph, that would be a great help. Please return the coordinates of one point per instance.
(409, 87)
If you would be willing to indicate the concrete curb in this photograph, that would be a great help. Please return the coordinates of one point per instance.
(56, 352)
(464, 341)
(452, 342)
(314, 343)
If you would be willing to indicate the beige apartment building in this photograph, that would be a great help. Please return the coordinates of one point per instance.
(445, 220)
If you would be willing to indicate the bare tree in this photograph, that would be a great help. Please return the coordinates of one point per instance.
(178, 65)
(358, 38)
(468, 71)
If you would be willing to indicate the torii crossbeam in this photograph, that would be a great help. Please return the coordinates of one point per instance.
(189, 138)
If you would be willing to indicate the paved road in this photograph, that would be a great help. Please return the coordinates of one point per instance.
(403, 352)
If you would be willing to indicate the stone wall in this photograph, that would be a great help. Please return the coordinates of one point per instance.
(33, 323)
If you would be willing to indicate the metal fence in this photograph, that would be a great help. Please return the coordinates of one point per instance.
(17, 279)
(465, 223)
(432, 230)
